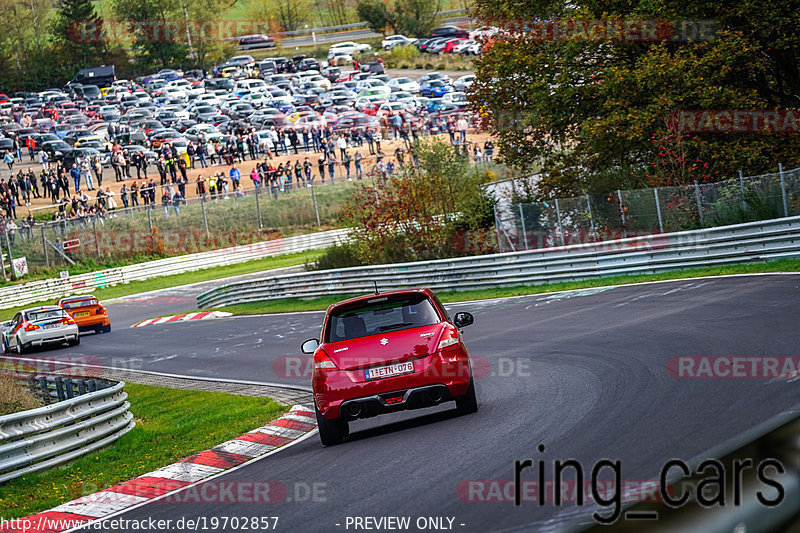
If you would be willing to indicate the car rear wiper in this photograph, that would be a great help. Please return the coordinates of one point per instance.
(395, 326)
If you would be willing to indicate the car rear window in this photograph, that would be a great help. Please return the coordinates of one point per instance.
(80, 303)
(379, 315)
(35, 316)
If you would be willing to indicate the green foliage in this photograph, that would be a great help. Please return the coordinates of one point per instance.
(407, 51)
(416, 18)
(375, 13)
(437, 209)
(337, 256)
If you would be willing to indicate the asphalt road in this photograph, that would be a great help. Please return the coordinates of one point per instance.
(583, 373)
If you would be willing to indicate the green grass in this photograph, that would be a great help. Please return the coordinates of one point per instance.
(170, 424)
(186, 278)
(316, 304)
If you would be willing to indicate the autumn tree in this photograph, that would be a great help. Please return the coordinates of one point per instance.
(590, 111)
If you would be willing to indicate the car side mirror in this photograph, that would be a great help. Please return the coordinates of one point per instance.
(463, 319)
(309, 346)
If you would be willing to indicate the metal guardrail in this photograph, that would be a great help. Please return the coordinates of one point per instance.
(755, 241)
(52, 289)
(38, 439)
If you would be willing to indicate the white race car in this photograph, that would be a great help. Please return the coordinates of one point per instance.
(39, 326)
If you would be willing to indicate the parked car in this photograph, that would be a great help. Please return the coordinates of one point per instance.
(87, 313)
(388, 352)
(253, 42)
(39, 326)
(450, 31)
(396, 40)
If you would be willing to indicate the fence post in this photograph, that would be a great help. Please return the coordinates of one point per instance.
(658, 210)
(783, 191)
(44, 247)
(741, 188)
(622, 214)
(560, 227)
(10, 257)
(522, 224)
(589, 207)
(314, 199)
(150, 223)
(496, 228)
(258, 210)
(96, 240)
(699, 202)
(203, 209)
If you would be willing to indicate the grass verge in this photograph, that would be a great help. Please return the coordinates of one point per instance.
(164, 282)
(15, 396)
(170, 424)
(315, 304)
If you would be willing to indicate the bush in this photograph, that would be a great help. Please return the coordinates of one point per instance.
(337, 256)
(406, 51)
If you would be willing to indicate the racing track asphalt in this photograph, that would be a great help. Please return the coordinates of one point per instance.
(589, 382)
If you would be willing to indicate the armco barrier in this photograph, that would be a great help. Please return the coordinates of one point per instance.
(48, 436)
(52, 289)
(755, 241)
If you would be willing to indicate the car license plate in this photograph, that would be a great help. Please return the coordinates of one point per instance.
(396, 369)
(82, 313)
(50, 326)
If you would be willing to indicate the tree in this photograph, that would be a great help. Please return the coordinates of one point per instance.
(375, 13)
(587, 109)
(77, 31)
(155, 49)
(416, 18)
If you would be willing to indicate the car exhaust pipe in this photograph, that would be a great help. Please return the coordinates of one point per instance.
(436, 395)
(353, 410)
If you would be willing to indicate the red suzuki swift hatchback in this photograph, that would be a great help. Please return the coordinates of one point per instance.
(388, 352)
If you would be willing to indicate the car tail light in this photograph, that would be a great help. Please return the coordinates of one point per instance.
(31, 327)
(100, 310)
(323, 362)
(449, 338)
(67, 320)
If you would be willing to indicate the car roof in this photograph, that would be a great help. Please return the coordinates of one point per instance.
(76, 298)
(366, 297)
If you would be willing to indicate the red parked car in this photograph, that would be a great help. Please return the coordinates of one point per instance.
(388, 352)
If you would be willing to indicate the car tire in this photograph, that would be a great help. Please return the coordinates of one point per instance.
(19, 347)
(331, 432)
(468, 403)
(106, 329)
(76, 341)
(6, 349)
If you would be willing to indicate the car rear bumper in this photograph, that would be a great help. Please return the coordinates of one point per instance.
(437, 378)
(52, 337)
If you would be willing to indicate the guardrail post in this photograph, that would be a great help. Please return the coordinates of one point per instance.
(699, 202)
(68, 390)
(44, 248)
(741, 188)
(203, 209)
(92, 386)
(81, 387)
(589, 208)
(560, 227)
(258, 210)
(522, 224)
(783, 191)
(59, 388)
(658, 210)
(622, 214)
(45, 390)
(314, 199)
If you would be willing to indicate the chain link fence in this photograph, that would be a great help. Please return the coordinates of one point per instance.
(629, 213)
